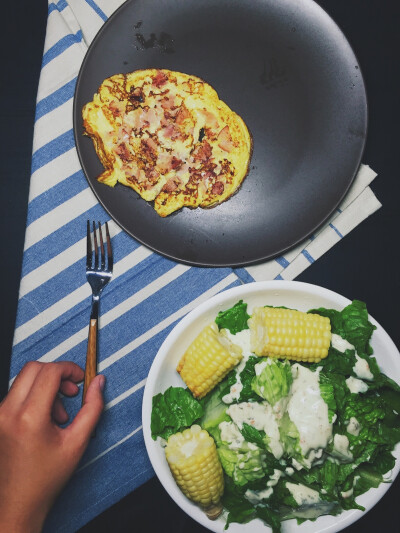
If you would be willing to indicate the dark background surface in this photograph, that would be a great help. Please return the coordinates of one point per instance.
(364, 265)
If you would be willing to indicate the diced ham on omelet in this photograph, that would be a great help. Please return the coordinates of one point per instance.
(168, 136)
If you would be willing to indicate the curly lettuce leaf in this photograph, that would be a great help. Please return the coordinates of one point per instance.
(172, 411)
(235, 319)
(274, 381)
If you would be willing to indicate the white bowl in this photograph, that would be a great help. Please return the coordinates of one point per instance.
(163, 374)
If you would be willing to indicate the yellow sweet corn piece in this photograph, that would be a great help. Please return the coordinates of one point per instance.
(208, 360)
(193, 459)
(290, 334)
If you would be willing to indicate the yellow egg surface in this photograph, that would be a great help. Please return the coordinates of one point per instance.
(168, 136)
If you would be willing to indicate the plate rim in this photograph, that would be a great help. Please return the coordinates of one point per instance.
(346, 518)
(222, 264)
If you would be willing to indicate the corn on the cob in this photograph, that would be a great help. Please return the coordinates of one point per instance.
(207, 360)
(193, 459)
(290, 334)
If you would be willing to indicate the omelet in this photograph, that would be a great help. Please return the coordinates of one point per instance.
(168, 136)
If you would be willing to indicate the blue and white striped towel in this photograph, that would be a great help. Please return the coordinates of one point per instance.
(148, 293)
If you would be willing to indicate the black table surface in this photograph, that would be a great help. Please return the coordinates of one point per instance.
(363, 265)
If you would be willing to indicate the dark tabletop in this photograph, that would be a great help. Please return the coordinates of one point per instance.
(364, 265)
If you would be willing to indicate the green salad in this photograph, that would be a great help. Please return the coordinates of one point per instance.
(295, 440)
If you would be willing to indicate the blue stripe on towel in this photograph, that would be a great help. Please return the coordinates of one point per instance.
(336, 230)
(63, 191)
(96, 9)
(308, 256)
(52, 149)
(282, 261)
(60, 46)
(55, 99)
(60, 239)
(57, 6)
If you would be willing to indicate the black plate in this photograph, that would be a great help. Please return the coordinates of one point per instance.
(288, 70)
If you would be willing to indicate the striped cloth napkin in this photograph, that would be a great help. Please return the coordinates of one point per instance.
(148, 294)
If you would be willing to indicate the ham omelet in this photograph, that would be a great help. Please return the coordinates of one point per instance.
(168, 136)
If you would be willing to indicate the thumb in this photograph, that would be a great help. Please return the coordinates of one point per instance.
(88, 416)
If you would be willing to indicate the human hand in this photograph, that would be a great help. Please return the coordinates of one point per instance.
(37, 456)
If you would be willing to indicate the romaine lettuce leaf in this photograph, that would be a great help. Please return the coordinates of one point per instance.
(172, 411)
(242, 465)
(214, 412)
(235, 319)
(246, 376)
(274, 381)
(352, 324)
(290, 438)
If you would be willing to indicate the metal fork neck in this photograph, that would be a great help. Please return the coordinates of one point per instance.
(94, 315)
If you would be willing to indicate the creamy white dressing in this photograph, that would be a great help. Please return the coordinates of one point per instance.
(356, 385)
(307, 410)
(347, 493)
(261, 417)
(231, 434)
(313, 458)
(296, 464)
(340, 344)
(353, 427)
(242, 340)
(255, 496)
(361, 369)
(289, 471)
(276, 476)
(303, 495)
(341, 446)
(259, 367)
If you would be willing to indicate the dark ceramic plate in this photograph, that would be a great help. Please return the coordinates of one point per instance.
(288, 71)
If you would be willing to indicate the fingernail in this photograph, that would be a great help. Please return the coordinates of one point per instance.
(102, 382)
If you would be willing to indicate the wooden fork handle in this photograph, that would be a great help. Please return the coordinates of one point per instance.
(91, 357)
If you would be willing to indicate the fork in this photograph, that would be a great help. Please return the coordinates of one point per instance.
(98, 275)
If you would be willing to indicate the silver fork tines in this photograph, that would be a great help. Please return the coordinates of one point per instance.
(98, 274)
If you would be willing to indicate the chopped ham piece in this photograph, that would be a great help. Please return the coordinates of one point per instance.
(172, 132)
(182, 115)
(160, 79)
(225, 140)
(217, 188)
(123, 152)
(115, 108)
(170, 186)
(202, 152)
(210, 119)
